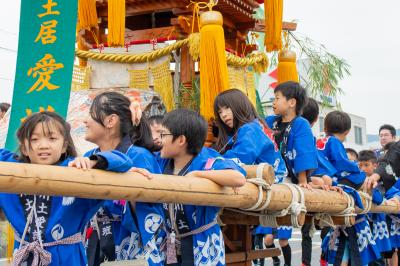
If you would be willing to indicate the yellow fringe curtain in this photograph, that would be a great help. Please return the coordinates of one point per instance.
(273, 24)
(242, 79)
(213, 65)
(87, 14)
(139, 79)
(162, 82)
(251, 87)
(80, 78)
(116, 23)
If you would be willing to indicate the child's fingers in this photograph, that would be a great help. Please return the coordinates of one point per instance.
(78, 163)
(305, 185)
(141, 171)
(86, 163)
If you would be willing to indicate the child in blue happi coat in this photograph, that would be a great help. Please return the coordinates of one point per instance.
(367, 161)
(49, 229)
(292, 134)
(243, 135)
(119, 233)
(323, 180)
(184, 134)
(386, 176)
(353, 244)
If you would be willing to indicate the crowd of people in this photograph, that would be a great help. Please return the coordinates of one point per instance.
(49, 229)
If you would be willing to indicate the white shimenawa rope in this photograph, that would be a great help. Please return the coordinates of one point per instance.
(262, 184)
(368, 202)
(267, 218)
(325, 219)
(296, 207)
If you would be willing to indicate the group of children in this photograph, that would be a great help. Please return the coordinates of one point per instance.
(72, 231)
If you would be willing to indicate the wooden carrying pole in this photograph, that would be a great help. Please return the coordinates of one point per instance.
(97, 184)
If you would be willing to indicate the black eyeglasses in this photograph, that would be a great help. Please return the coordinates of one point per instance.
(165, 134)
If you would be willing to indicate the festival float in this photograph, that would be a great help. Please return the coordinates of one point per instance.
(165, 54)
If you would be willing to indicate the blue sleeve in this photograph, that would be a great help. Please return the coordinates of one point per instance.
(223, 164)
(141, 158)
(345, 168)
(249, 144)
(116, 161)
(324, 166)
(7, 156)
(304, 145)
(270, 120)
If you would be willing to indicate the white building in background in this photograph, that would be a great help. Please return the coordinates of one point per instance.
(357, 137)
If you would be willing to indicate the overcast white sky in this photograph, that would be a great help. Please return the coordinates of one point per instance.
(365, 33)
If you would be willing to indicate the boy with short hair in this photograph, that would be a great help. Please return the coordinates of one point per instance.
(311, 114)
(183, 135)
(292, 132)
(295, 140)
(367, 162)
(345, 247)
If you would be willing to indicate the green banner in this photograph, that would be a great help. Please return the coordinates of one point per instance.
(45, 60)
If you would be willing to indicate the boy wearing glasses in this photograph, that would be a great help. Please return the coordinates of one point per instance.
(201, 243)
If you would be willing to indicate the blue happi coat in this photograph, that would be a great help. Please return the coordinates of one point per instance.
(301, 154)
(362, 246)
(66, 216)
(394, 220)
(254, 144)
(141, 237)
(208, 246)
(332, 150)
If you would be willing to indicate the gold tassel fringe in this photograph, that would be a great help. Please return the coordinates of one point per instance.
(87, 14)
(10, 241)
(287, 70)
(273, 24)
(116, 23)
(213, 65)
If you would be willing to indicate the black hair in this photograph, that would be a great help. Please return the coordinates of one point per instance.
(293, 90)
(243, 112)
(337, 122)
(155, 119)
(311, 110)
(27, 127)
(4, 107)
(108, 103)
(188, 123)
(388, 127)
(367, 155)
(352, 151)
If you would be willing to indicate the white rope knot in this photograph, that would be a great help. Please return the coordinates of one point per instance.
(349, 211)
(295, 208)
(368, 202)
(324, 219)
(262, 185)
